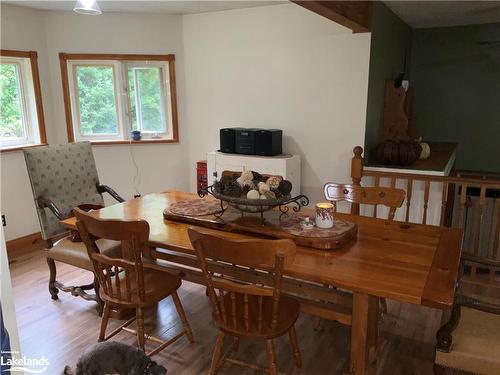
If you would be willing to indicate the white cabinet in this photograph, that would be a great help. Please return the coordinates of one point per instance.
(287, 166)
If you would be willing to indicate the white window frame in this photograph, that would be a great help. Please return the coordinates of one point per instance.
(28, 103)
(124, 120)
(166, 92)
(75, 105)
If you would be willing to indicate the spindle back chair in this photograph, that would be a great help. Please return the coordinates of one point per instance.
(376, 195)
(125, 281)
(390, 197)
(247, 310)
(117, 275)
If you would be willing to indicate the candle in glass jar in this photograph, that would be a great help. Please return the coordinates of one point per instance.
(324, 215)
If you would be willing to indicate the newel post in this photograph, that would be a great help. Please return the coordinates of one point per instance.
(356, 173)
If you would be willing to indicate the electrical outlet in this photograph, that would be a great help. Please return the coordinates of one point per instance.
(4, 221)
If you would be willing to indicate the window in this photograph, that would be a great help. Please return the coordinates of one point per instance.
(21, 112)
(109, 96)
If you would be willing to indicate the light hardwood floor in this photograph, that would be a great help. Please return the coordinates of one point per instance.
(61, 330)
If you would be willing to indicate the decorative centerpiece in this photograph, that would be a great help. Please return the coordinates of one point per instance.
(253, 192)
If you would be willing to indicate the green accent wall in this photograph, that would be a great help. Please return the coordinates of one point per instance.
(457, 86)
(390, 41)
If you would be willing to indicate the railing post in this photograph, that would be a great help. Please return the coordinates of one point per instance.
(356, 173)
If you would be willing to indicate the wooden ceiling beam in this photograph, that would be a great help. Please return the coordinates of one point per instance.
(355, 15)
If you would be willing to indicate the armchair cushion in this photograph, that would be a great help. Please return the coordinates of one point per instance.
(476, 344)
(66, 175)
(75, 253)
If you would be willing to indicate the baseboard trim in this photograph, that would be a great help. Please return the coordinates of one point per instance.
(25, 244)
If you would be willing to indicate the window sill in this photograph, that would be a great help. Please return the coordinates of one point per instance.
(144, 142)
(19, 148)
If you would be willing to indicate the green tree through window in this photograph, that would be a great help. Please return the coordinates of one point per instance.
(110, 96)
(97, 101)
(146, 99)
(11, 109)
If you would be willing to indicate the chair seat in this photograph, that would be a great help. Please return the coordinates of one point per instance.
(476, 344)
(75, 253)
(157, 286)
(288, 313)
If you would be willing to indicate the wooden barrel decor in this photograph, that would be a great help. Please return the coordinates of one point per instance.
(397, 152)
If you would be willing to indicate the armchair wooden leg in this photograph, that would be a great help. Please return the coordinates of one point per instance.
(182, 315)
(295, 347)
(271, 358)
(52, 279)
(217, 354)
(140, 328)
(104, 322)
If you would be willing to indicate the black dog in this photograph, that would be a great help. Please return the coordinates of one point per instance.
(115, 358)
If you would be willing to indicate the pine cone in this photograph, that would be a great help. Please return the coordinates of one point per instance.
(225, 180)
(232, 189)
(278, 193)
(285, 187)
(217, 187)
(257, 177)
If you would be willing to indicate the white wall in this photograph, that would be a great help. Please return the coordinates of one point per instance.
(23, 29)
(162, 166)
(278, 66)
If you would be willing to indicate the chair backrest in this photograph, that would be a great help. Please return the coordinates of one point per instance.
(122, 279)
(389, 197)
(266, 255)
(65, 174)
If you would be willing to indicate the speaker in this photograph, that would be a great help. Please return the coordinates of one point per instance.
(228, 140)
(245, 141)
(268, 142)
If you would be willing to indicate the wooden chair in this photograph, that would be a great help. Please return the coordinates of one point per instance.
(390, 197)
(125, 281)
(248, 311)
(470, 339)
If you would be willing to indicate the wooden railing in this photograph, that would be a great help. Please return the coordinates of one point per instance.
(452, 198)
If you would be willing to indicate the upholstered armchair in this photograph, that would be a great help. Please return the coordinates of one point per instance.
(63, 177)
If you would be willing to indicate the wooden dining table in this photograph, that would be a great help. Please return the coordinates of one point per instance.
(409, 263)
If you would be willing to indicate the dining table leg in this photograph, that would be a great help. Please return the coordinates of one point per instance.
(364, 334)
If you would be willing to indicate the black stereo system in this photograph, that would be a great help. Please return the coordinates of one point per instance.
(251, 141)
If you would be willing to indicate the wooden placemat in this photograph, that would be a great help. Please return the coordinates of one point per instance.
(291, 224)
(233, 221)
(195, 207)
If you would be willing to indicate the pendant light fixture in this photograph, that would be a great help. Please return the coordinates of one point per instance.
(89, 7)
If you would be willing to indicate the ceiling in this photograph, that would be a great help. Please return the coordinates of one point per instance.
(417, 14)
(420, 14)
(168, 7)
